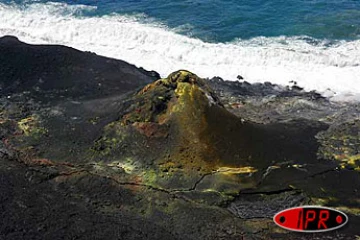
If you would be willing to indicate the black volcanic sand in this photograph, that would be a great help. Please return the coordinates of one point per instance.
(96, 148)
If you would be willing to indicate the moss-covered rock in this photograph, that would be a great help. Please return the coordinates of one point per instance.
(341, 143)
(184, 138)
(175, 115)
(31, 127)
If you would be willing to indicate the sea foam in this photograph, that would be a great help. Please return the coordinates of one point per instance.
(332, 68)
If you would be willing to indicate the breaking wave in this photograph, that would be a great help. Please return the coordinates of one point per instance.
(312, 63)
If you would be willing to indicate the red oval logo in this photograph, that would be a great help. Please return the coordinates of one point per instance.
(310, 219)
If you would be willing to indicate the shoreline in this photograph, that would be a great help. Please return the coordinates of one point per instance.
(313, 63)
(96, 147)
(345, 97)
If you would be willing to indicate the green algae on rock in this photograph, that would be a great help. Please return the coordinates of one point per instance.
(178, 129)
(341, 142)
(30, 127)
(177, 114)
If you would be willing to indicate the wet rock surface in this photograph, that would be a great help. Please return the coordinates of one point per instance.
(95, 148)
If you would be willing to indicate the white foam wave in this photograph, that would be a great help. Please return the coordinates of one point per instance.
(317, 66)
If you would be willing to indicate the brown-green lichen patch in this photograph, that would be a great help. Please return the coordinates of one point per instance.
(239, 170)
(128, 165)
(230, 183)
(178, 180)
(323, 201)
(228, 180)
(341, 143)
(114, 134)
(350, 210)
(148, 106)
(150, 177)
(351, 160)
(94, 120)
(21, 136)
(31, 127)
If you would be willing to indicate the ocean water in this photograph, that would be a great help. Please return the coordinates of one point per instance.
(313, 42)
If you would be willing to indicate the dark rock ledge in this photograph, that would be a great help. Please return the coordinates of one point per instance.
(95, 148)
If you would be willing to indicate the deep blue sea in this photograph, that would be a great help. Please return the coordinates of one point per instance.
(314, 42)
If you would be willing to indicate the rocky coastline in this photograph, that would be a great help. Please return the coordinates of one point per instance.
(96, 148)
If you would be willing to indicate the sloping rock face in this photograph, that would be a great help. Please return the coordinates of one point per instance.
(177, 158)
(178, 127)
(55, 71)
